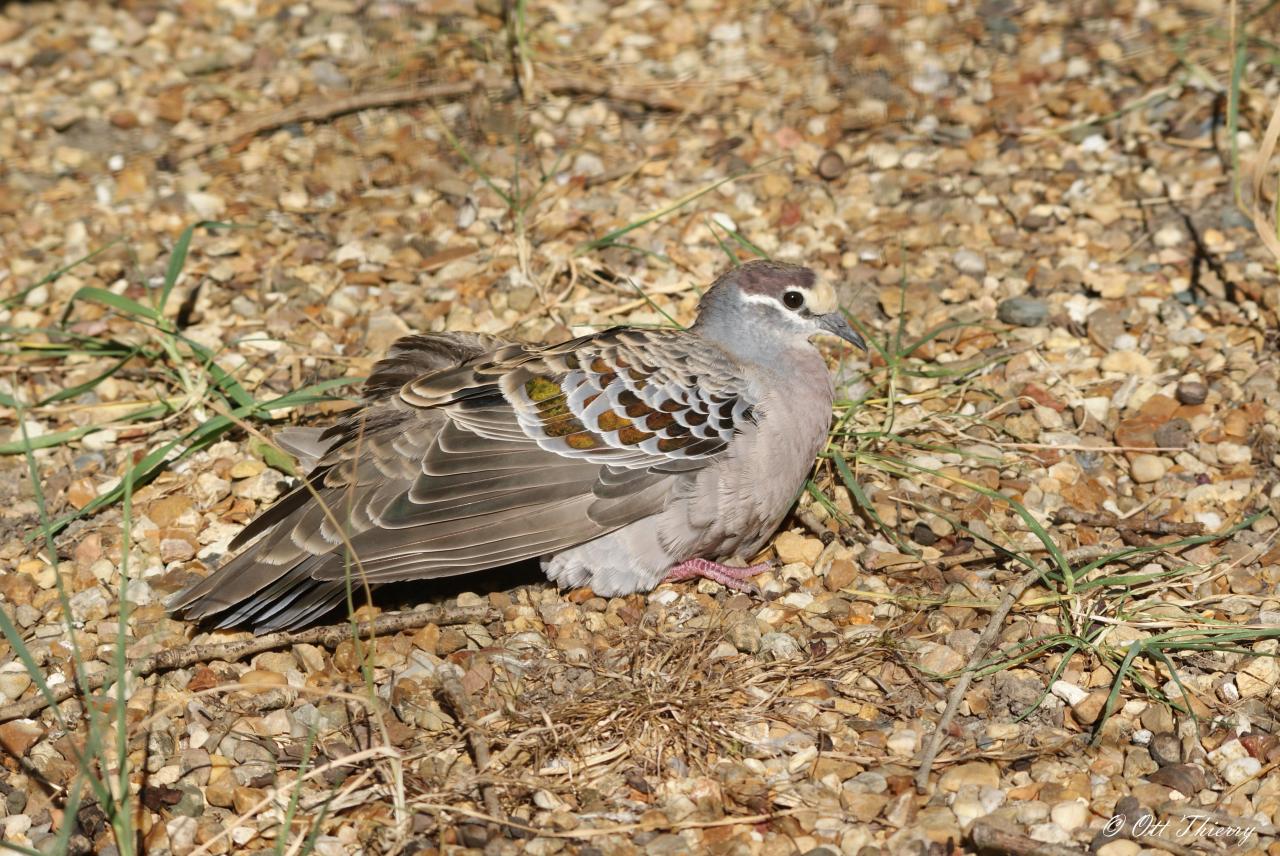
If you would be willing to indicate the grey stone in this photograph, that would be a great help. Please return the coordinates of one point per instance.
(1023, 311)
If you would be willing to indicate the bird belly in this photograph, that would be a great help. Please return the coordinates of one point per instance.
(626, 560)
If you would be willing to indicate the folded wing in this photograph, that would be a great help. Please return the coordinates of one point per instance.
(470, 454)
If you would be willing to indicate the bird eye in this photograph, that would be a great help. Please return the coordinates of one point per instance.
(793, 300)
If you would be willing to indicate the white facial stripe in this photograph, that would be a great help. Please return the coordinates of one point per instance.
(819, 300)
(786, 313)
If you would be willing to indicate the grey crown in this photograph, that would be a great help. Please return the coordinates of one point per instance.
(612, 457)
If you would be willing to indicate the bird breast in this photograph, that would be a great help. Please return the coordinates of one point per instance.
(742, 499)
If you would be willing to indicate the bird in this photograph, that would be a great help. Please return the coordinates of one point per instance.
(619, 459)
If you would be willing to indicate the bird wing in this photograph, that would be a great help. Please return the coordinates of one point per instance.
(502, 456)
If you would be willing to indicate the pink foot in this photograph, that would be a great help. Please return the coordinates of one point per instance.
(726, 575)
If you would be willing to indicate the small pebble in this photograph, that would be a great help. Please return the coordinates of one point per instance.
(831, 166)
(1165, 749)
(780, 646)
(1071, 814)
(1240, 770)
(1050, 833)
(978, 773)
(1175, 434)
(1147, 468)
(745, 635)
(1170, 236)
(971, 263)
(903, 743)
(1023, 311)
(1192, 392)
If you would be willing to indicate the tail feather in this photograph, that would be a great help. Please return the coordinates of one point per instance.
(305, 444)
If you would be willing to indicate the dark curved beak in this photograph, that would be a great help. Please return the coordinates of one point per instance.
(837, 325)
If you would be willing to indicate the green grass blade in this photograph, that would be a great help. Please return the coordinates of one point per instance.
(742, 241)
(471, 162)
(286, 822)
(80, 388)
(198, 438)
(222, 380)
(611, 238)
(1135, 648)
(945, 327)
(120, 303)
(1048, 686)
(15, 299)
(178, 259)
(92, 746)
(123, 820)
(58, 438)
(712, 226)
(654, 306)
(1239, 59)
(44, 441)
(860, 497)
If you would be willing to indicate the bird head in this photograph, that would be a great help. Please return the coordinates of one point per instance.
(785, 300)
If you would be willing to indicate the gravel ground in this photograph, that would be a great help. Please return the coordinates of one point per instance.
(1058, 466)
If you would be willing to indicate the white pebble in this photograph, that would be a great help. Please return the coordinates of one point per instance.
(1169, 236)
(1071, 814)
(724, 221)
(1232, 750)
(664, 597)
(1240, 770)
(727, 32)
(1094, 144)
(1068, 692)
(1050, 833)
(903, 743)
(969, 262)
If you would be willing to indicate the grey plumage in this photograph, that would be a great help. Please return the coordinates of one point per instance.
(612, 457)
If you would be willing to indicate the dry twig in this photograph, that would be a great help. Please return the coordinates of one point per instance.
(985, 641)
(326, 108)
(323, 109)
(1142, 525)
(989, 838)
(1202, 813)
(456, 695)
(326, 637)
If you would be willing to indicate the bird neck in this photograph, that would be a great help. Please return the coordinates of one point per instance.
(792, 361)
(754, 348)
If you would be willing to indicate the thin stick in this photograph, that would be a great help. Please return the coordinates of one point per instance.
(1262, 222)
(457, 697)
(1142, 525)
(1199, 813)
(326, 637)
(621, 829)
(324, 109)
(345, 761)
(985, 641)
(989, 838)
(1087, 553)
(652, 98)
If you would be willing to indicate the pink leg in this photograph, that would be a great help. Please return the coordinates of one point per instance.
(726, 575)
